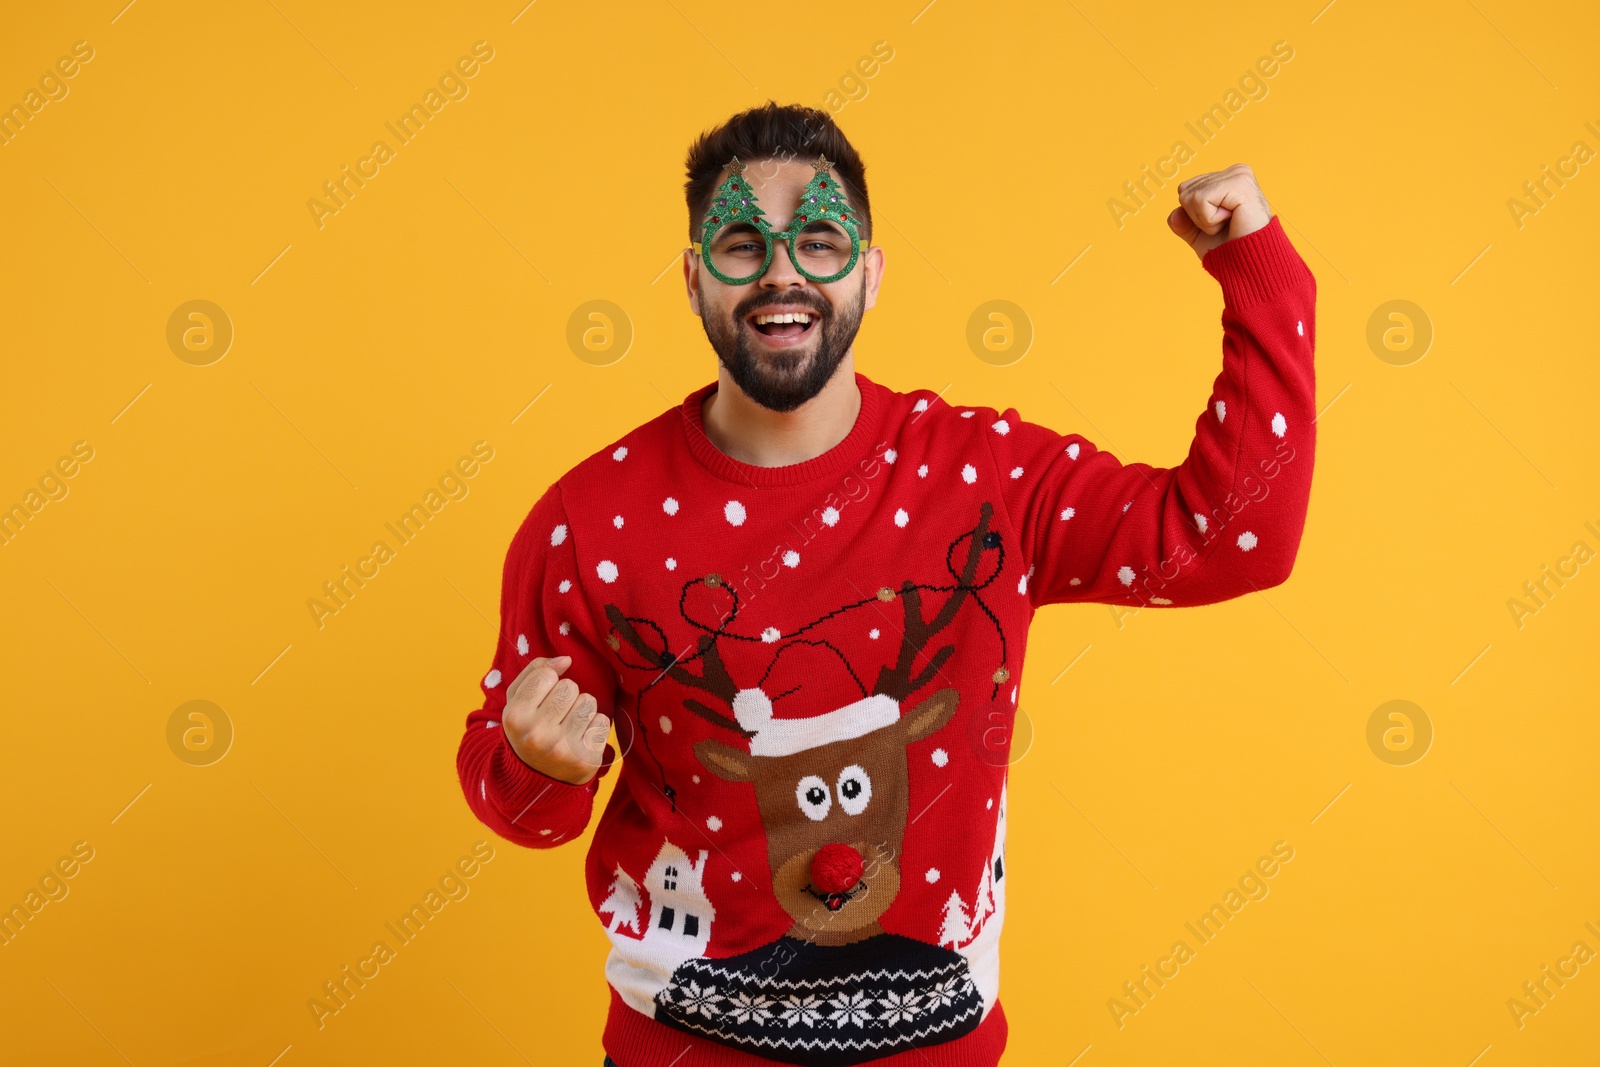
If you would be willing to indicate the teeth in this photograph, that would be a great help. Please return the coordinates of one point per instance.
(792, 316)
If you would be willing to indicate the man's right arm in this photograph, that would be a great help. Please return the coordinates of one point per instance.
(535, 710)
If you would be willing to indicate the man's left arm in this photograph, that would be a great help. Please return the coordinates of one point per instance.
(1228, 519)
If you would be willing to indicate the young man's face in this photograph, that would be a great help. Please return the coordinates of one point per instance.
(782, 366)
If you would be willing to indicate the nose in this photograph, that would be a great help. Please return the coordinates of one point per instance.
(836, 868)
(781, 272)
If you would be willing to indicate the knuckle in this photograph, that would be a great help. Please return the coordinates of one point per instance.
(538, 738)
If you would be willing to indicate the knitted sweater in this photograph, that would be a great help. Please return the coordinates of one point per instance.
(813, 670)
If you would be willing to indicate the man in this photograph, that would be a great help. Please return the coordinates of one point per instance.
(802, 598)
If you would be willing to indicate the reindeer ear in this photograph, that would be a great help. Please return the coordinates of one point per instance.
(722, 760)
(930, 716)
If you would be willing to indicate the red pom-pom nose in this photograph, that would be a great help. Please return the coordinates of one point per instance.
(836, 868)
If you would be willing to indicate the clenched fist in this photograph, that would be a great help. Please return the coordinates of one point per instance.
(552, 726)
(1219, 207)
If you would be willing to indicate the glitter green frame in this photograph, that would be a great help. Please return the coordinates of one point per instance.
(822, 190)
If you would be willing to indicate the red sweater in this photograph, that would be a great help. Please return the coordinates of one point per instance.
(812, 670)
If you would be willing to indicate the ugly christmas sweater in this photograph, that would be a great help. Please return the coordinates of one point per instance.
(813, 670)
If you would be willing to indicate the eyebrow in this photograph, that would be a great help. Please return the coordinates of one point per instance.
(819, 226)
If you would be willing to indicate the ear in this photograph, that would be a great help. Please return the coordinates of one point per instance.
(872, 276)
(930, 716)
(724, 761)
(691, 278)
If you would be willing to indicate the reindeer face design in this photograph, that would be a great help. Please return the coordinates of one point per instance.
(835, 817)
(831, 788)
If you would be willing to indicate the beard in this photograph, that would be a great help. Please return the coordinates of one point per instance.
(782, 380)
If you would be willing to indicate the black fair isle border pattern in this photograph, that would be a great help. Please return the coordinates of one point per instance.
(823, 1022)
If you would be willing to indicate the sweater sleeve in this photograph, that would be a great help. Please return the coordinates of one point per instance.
(1228, 519)
(542, 613)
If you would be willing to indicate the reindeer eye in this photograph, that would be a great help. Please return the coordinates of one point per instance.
(812, 793)
(855, 789)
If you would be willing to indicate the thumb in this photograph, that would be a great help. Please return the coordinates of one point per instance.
(1181, 224)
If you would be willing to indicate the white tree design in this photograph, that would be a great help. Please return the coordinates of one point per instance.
(983, 903)
(954, 929)
(622, 902)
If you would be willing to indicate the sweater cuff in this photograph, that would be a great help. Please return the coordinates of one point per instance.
(1257, 267)
(519, 786)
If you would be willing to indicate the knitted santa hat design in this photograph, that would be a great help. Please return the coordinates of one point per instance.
(784, 737)
(808, 675)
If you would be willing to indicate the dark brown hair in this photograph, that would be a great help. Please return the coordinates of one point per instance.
(773, 131)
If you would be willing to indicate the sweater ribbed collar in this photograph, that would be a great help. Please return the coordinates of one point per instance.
(856, 445)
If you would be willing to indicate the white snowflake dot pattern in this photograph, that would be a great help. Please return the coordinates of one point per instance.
(670, 506)
(1076, 581)
(901, 518)
(873, 633)
(558, 535)
(791, 558)
(1001, 427)
(617, 522)
(1280, 425)
(620, 454)
(1125, 575)
(770, 634)
(1200, 521)
(969, 473)
(666, 724)
(491, 679)
(1247, 541)
(1128, 505)
(713, 823)
(920, 405)
(1016, 472)
(830, 516)
(932, 875)
(1163, 601)
(922, 471)
(968, 414)
(564, 629)
(607, 571)
(1222, 410)
(1072, 450)
(1067, 513)
(522, 644)
(672, 564)
(734, 512)
(890, 455)
(736, 876)
(566, 584)
(1300, 327)
(940, 757)
(1013, 694)
(696, 779)
(989, 803)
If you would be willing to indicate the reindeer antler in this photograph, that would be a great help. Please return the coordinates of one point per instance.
(898, 681)
(713, 677)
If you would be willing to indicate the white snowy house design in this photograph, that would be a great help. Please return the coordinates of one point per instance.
(678, 929)
(680, 911)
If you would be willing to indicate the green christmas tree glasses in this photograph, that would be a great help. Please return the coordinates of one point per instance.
(823, 238)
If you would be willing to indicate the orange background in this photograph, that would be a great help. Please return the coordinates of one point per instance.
(1169, 750)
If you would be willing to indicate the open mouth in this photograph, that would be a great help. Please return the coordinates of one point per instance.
(784, 328)
(835, 901)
